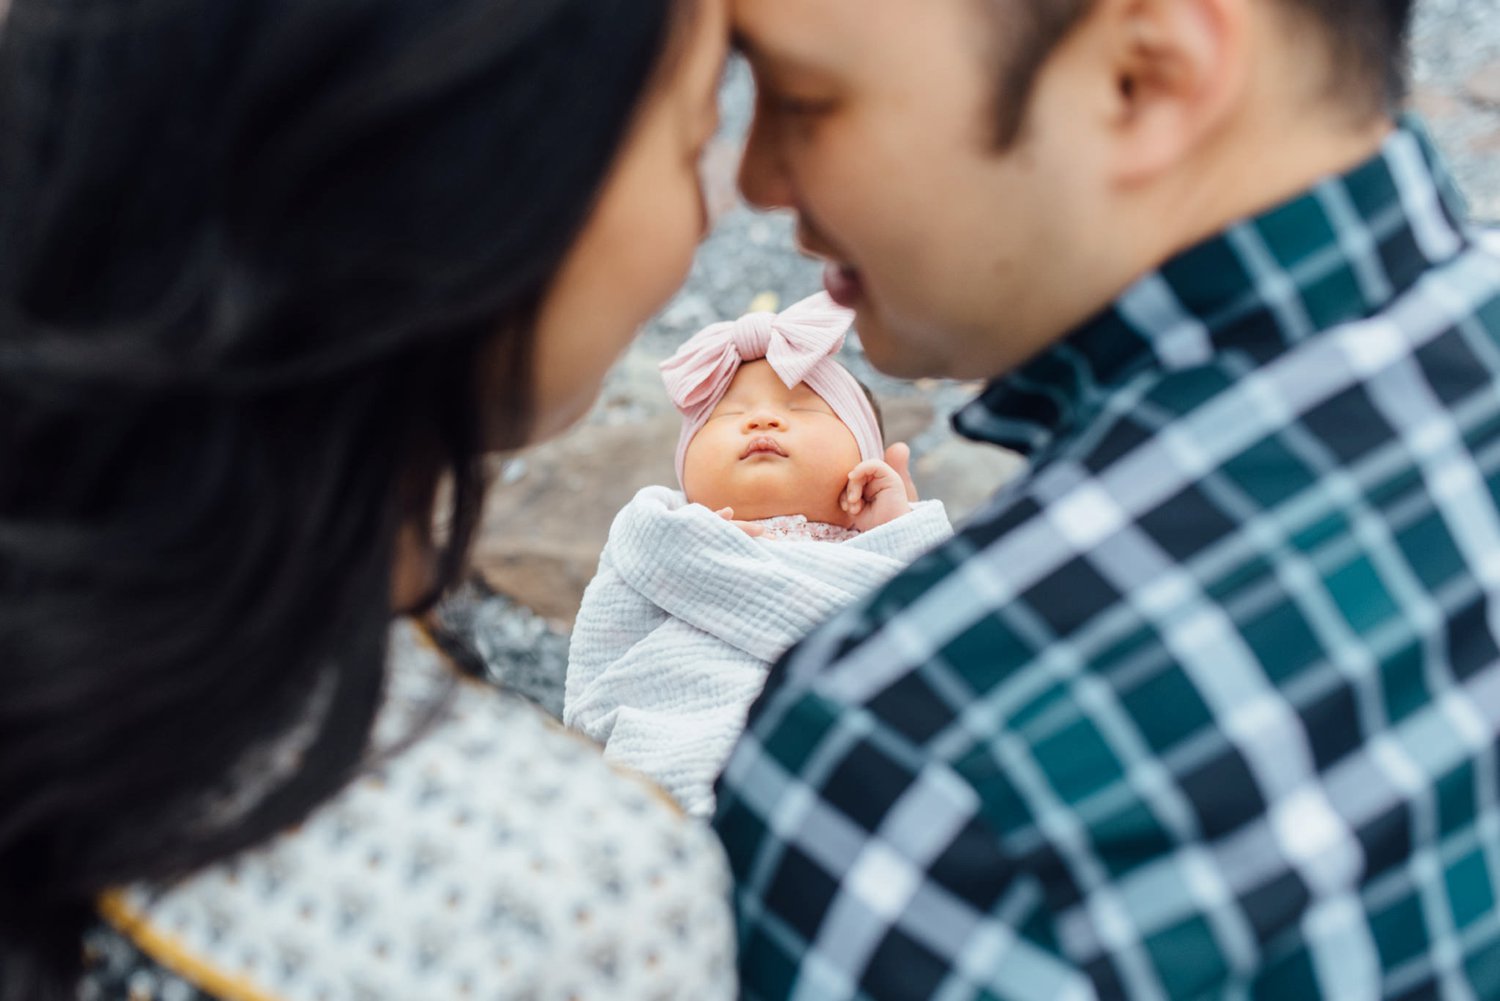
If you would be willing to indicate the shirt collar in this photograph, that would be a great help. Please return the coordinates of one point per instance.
(1341, 251)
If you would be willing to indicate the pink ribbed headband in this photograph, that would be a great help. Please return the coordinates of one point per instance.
(801, 344)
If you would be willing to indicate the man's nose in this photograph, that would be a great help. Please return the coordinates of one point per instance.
(763, 176)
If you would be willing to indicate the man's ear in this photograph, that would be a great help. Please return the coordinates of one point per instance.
(1181, 69)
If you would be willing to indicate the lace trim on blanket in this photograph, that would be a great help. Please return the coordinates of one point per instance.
(796, 528)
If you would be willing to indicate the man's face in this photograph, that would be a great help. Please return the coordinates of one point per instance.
(875, 124)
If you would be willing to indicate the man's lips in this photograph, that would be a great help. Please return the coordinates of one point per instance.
(841, 280)
(843, 284)
(762, 443)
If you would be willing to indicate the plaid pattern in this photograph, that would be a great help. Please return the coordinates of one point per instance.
(1208, 703)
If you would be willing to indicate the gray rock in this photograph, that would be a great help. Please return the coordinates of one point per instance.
(516, 648)
(543, 533)
(1456, 76)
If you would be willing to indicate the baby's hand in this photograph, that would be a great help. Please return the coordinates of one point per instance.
(750, 528)
(877, 492)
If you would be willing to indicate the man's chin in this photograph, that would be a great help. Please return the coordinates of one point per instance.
(896, 355)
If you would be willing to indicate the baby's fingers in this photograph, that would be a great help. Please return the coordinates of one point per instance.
(854, 493)
(750, 528)
(872, 473)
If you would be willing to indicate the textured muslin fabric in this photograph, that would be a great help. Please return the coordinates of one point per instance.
(678, 627)
(801, 344)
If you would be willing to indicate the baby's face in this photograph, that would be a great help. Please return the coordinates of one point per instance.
(768, 450)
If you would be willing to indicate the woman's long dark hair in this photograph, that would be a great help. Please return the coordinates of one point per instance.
(251, 254)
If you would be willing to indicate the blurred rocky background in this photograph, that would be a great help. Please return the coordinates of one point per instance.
(551, 507)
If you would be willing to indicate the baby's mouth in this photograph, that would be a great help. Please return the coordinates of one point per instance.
(762, 443)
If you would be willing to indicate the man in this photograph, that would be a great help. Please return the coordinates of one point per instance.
(1207, 703)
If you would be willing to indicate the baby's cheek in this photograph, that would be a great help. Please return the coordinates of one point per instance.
(692, 473)
(835, 465)
(703, 470)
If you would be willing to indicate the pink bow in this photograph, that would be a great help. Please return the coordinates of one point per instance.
(801, 345)
(794, 342)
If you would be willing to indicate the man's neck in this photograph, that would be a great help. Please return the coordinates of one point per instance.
(1254, 170)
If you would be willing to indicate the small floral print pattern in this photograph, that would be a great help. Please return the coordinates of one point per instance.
(496, 857)
(796, 528)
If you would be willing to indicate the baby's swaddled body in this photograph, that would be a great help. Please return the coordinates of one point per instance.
(792, 508)
(688, 611)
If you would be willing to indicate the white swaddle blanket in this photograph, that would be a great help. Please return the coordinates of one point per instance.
(686, 614)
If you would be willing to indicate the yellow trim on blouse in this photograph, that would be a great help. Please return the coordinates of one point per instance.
(174, 955)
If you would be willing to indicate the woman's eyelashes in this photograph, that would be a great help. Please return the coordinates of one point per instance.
(790, 105)
(796, 107)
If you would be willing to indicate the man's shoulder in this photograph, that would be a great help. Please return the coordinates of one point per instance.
(938, 626)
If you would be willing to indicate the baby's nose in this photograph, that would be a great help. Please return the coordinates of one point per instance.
(761, 420)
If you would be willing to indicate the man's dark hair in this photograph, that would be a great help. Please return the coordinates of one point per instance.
(1367, 40)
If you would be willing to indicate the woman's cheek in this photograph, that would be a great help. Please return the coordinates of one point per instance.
(689, 227)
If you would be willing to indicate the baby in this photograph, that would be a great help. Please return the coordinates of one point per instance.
(789, 511)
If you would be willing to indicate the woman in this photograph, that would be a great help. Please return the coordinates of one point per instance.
(270, 275)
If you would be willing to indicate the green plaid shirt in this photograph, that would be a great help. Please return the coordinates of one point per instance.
(1207, 704)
